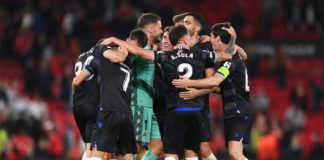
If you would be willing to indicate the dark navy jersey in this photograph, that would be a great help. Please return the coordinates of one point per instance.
(208, 47)
(158, 91)
(235, 88)
(204, 46)
(88, 91)
(186, 63)
(114, 81)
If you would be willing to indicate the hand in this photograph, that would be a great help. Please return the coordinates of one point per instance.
(190, 94)
(122, 50)
(181, 83)
(204, 38)
(242, 53)
(230, 30)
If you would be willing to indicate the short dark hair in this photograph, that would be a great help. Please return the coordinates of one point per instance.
(146, 19)
(176, 33)
(197, 17)
(217, 30)
(167, 28)
(139, 36)
(179, 17)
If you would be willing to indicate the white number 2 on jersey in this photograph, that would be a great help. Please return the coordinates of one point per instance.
(185, 67)
(79, 66)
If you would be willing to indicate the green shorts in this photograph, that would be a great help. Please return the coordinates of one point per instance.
(145, 124)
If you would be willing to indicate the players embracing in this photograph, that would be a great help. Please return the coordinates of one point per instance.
(185, 76)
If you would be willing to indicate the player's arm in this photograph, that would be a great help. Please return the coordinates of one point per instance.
(77, 80)
(209, 72)
(212, 57)
(242, 53)
(204, 38)
(222, 73)
(217, 90)
(146, 54)
(231, 45)
(116, 56)
(85, 73)
(223, 56)
(199, 83)
(192, 93)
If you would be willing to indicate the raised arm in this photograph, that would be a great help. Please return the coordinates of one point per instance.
(242, 53)
(204, 38)
(231, 45)
(199, 83)
(133, 49)
(128, 46)
(192, 93)
(116, 56)
(223, 56)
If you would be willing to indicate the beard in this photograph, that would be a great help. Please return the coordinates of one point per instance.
(191, 33)
(156, 39)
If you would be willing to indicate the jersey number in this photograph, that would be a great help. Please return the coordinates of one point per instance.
(127, 79)
(187, 68)
(79, 66)
(227, 65)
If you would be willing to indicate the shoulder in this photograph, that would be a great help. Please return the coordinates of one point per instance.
(204, 46)
(160, 56)
(237, 58)
(101, 47)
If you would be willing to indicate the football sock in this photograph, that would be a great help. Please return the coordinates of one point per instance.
(149, 156)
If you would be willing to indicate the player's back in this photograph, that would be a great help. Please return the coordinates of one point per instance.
(88, 92)
(186, 63)
(114, 84)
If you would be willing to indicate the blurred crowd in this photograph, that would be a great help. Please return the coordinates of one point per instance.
(40, 40)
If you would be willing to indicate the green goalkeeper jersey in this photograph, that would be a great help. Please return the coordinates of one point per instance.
(143, 81)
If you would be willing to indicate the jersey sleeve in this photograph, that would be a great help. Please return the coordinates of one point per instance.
(106, 48)
(92, 67)
(208, 56)
(226, 68)
(99, 49)
(159, 56)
